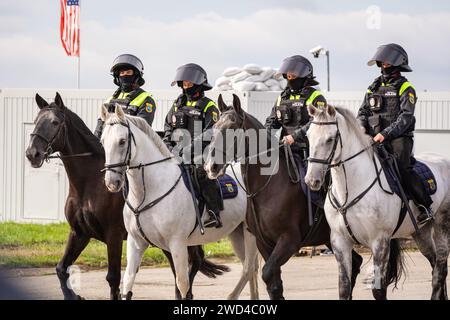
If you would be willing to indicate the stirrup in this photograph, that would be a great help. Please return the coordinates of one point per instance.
(426, 214)
(213, 221)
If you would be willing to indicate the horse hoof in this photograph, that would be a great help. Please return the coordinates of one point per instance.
(80, 298)
(129, 295)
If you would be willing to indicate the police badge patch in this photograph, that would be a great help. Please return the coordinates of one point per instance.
(214, 116)
(148, 107)
(412, 98)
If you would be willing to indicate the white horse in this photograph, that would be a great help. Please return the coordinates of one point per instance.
(370, 218)
(170, 218)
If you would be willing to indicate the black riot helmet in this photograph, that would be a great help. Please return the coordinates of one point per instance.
(194, 73)
(298, 65)
(125, 61)
(393, 54)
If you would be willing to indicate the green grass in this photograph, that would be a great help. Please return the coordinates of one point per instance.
(33, 245)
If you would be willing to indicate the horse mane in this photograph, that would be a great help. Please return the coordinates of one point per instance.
(78, 124)
(142, 125)
(254, 121)
(354, 126)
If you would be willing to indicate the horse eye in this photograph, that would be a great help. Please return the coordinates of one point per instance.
(55, 122)
(329, 140)
(122, 142)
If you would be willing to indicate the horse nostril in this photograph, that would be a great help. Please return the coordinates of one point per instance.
(32, 153)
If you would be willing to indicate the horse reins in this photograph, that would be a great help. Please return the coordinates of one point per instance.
(126, 163)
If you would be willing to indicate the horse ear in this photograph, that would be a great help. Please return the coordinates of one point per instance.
(222, 106)
(58, 100)
(41, 101)
(237, 104)
(312, 110)
(119, 112)
(103, 112)
(331, 111)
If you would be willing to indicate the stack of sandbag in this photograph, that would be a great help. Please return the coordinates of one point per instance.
(251, 77)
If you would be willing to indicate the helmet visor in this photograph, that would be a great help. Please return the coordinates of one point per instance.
(125, 60)
(193, 75)
(387, 54)
(297, 67)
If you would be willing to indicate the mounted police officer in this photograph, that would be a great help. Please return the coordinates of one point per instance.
(387, 114)
(290, 111)
(195, 113)
(128, 72)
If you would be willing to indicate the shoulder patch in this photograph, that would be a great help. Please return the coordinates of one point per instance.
(320, 104)
(215, 116)
(412, 97)
(148, 107)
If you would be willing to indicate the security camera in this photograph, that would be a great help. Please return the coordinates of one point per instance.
(316, 51)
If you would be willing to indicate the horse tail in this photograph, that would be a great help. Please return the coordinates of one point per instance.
(396, 265)
(208, 268)
(212, 270)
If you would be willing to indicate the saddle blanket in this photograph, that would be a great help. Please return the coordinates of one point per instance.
(228, 186)
(423, 171)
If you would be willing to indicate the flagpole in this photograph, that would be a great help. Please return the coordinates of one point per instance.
(79, 45)
(78, 74)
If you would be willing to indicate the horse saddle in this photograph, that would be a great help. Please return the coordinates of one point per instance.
(424, 173)
(228, 186)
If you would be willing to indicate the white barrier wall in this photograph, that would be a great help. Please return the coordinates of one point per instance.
(38, 195)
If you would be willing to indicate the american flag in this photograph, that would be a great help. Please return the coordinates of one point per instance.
(70, 27)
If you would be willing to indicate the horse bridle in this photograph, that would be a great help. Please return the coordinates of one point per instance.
(126, 163)
(235, 160)
(49, 142)
(49, 148)
(342, 208)
(337, 138)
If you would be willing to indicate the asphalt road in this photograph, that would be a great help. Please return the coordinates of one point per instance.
(303, 277)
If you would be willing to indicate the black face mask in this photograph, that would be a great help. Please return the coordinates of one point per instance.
(193, 90)
(389, 71)
(126, 83)
(296, 84)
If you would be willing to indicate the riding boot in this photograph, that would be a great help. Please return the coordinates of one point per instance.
(411, 180)
(211, 194)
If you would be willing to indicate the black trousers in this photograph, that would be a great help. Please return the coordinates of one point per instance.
(210, 191)
(401, 149)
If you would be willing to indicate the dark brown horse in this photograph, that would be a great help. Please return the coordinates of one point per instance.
(277, 210)
(92, 211)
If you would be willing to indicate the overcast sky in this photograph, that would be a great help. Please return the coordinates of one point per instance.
(219, 34)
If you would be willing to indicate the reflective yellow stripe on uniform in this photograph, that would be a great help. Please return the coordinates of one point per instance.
(140, 99)
(210, 104)
(405, 86)
(313, 97)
